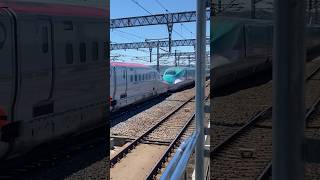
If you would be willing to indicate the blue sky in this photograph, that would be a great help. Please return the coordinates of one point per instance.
(128, 8)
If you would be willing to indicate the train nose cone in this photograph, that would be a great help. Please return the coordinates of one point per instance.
(168, 79)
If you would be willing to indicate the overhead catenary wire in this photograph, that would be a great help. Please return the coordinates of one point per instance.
(141, 6)
(138, 4)
(131, 34)
(161, 5)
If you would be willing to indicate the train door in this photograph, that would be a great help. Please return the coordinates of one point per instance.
(7, 76)
(47, 47)
(131, 85)
(155, 83)
(135, 89)
(122, 84)
(36, 68)
(126, 81)
(113, 83)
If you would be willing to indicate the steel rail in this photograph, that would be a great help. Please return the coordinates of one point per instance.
(132, 145)
(230, 138)
(164, 157)
(251, 122)
(267, 171)
(172, 145)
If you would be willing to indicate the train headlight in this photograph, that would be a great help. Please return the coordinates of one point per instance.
(177, 81)
(3, 118)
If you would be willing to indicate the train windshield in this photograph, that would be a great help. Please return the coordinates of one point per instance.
(171, 72)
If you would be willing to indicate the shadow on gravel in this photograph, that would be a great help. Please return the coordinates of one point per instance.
(79, 157)
(257, 79)
(128, 112)
(132, 110)
(249, 82)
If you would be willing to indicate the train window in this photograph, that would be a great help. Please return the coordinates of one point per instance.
(139, 77)
(131, 78)
(3, 35)
(135, 78)
(45, 39)
(83, 52)
(142, 77)
(95, 51)
(69, 53)
(171, 72)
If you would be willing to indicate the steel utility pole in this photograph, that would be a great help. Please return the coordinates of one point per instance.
(150, 50)
(175, 58)
(158, 58)
(316, 6)
(253, 9)
(200, 86)
(288, 90)
(157, 41)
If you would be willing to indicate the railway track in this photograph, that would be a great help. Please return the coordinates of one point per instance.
(167, 133)
(312, 126)
(246, 149)
(52, 156)
(172, 147)
(132, 127)
(125, 113)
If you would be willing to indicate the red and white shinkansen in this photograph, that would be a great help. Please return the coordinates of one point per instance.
(53, 73)
(131, 83)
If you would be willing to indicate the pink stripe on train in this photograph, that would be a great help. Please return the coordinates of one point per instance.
(127, 64)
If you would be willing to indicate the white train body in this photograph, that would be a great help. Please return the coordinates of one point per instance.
(53, 73)
(131, 83)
